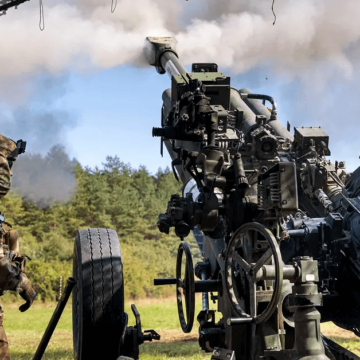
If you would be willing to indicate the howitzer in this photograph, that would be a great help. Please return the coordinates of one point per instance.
(278, 224)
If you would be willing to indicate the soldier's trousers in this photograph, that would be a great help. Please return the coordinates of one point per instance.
(4, 345)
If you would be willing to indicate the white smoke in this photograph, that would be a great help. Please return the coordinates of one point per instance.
(78, 36)
(84, 34)
(45, 179)
(305, 38)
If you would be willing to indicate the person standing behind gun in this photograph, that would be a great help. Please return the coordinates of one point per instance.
(12, 262)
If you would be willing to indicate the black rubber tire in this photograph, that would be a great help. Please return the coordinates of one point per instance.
(98, 297)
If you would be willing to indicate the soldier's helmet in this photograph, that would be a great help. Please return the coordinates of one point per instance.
(9, 151)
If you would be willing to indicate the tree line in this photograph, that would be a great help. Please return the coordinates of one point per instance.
(118, 197)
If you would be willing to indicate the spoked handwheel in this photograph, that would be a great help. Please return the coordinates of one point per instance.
(245, 256)
(185, 287)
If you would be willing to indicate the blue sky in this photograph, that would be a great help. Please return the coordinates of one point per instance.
(117, 110)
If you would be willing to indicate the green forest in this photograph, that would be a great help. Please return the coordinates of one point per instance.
(117, 197)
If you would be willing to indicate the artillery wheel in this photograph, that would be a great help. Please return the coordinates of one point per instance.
(244, 258)
(98, 297)
(185, 286)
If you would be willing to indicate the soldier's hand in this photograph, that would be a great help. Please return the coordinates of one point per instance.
(29, 296)
(27, 292)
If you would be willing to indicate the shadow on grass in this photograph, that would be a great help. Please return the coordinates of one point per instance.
(172, 350)
(350, 344)
(178, 350)
(49, 355)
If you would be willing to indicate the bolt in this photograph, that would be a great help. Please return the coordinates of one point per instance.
(228, 355)
(216, 353)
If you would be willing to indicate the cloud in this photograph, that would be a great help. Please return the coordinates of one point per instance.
(42, 179)
(84, 34)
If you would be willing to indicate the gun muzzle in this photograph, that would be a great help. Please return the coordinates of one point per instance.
(161, 53)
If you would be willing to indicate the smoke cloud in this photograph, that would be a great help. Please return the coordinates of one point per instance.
(238, 34)
(38, 178)
(45, 179)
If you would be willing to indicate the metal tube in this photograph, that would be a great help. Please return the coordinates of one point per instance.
(267, 272)
(165, 281)
(259, 109)
(205, 295)
(170, 62)
(239, 321)
(54, 319)
(207, 285)
(297, 233)
(236, 103)
(262, 97)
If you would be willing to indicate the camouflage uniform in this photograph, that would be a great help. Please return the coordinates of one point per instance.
(12, 263)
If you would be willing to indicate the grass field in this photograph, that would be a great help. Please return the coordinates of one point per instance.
(25, 331)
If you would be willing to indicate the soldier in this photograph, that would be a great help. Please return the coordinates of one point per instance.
(12, 262)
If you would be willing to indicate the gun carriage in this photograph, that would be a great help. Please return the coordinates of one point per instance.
(277, 223)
